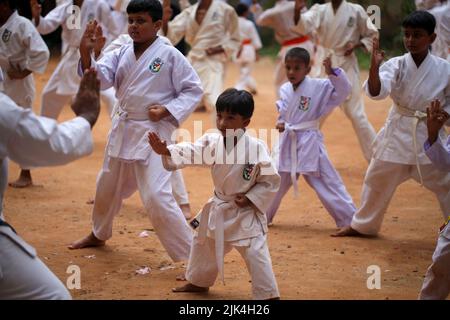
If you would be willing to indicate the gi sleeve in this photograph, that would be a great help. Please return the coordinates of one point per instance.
(41, 141)
(388, 73)
(199, 153)
(233, 39)
(340, 89)
(439, 154)
(367, 29)
(309, 21)
(53, 19)
(187, 87)
(37, 51)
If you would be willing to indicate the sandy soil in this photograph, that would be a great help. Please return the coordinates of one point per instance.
(308, 263)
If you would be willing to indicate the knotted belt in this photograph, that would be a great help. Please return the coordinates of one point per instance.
(292, 132)
(418, 116)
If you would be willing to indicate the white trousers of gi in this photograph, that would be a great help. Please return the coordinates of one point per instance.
(23, 276)
(153, 183)
(330, 189)
(211, 72)
(246, 80)
(381, 181)
(202, 268)
(436, 285)
(179, 188)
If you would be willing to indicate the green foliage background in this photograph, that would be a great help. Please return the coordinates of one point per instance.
(392, 14)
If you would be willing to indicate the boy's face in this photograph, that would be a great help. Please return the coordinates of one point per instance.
(296, 70)
(231, 121)
(417, 40)
(141, 27)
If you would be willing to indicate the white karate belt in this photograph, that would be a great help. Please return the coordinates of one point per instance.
(118, 128)
(418, 116)
(222, 204)
(292, 132)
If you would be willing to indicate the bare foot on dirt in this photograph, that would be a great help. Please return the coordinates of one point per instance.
(23, 181)
(186, 209)
(86, 242)
(347, 232)
(190, 288)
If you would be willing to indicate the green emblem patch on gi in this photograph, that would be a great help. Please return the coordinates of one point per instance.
(156, 65)
(247, 173)
(6, 35)
(304, 103)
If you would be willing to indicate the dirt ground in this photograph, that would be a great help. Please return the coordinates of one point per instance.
(308, 263)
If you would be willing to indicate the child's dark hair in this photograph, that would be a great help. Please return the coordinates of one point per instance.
(420, 19)
(241, 9)
(152, 7)
(236, 102)
(299, 53)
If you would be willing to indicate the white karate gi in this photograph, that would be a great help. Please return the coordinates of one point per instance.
(22, 47)
(33, 141)
(281, 19)
(302, 151)
(219, 27)
(178, 186)
(162, 75)
(63, 83)
(398, 148)
(223, 225)
(251, 42)
(350, 24)
(436, 284)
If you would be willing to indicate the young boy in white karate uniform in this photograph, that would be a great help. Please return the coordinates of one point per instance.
(248, 53)
(157, 90)
(303, 101)
(281, 19)
(210, 27)
(341, 27)
(23, 52)
(436, 284)
(413, 81)
(245, 181)
(72, 16)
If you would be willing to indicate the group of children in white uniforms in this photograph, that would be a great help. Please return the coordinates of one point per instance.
(130, 164)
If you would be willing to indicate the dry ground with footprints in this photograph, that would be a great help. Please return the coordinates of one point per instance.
(308, 263)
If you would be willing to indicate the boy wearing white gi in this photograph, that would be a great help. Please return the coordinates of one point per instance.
(210, 27)
(413, 81)
(157, 90)
(72, 16)
(436, 284)
(22, 52)
(248, 53)
(245, 181)
(341, 27)
(281, 19)
(303, 101)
